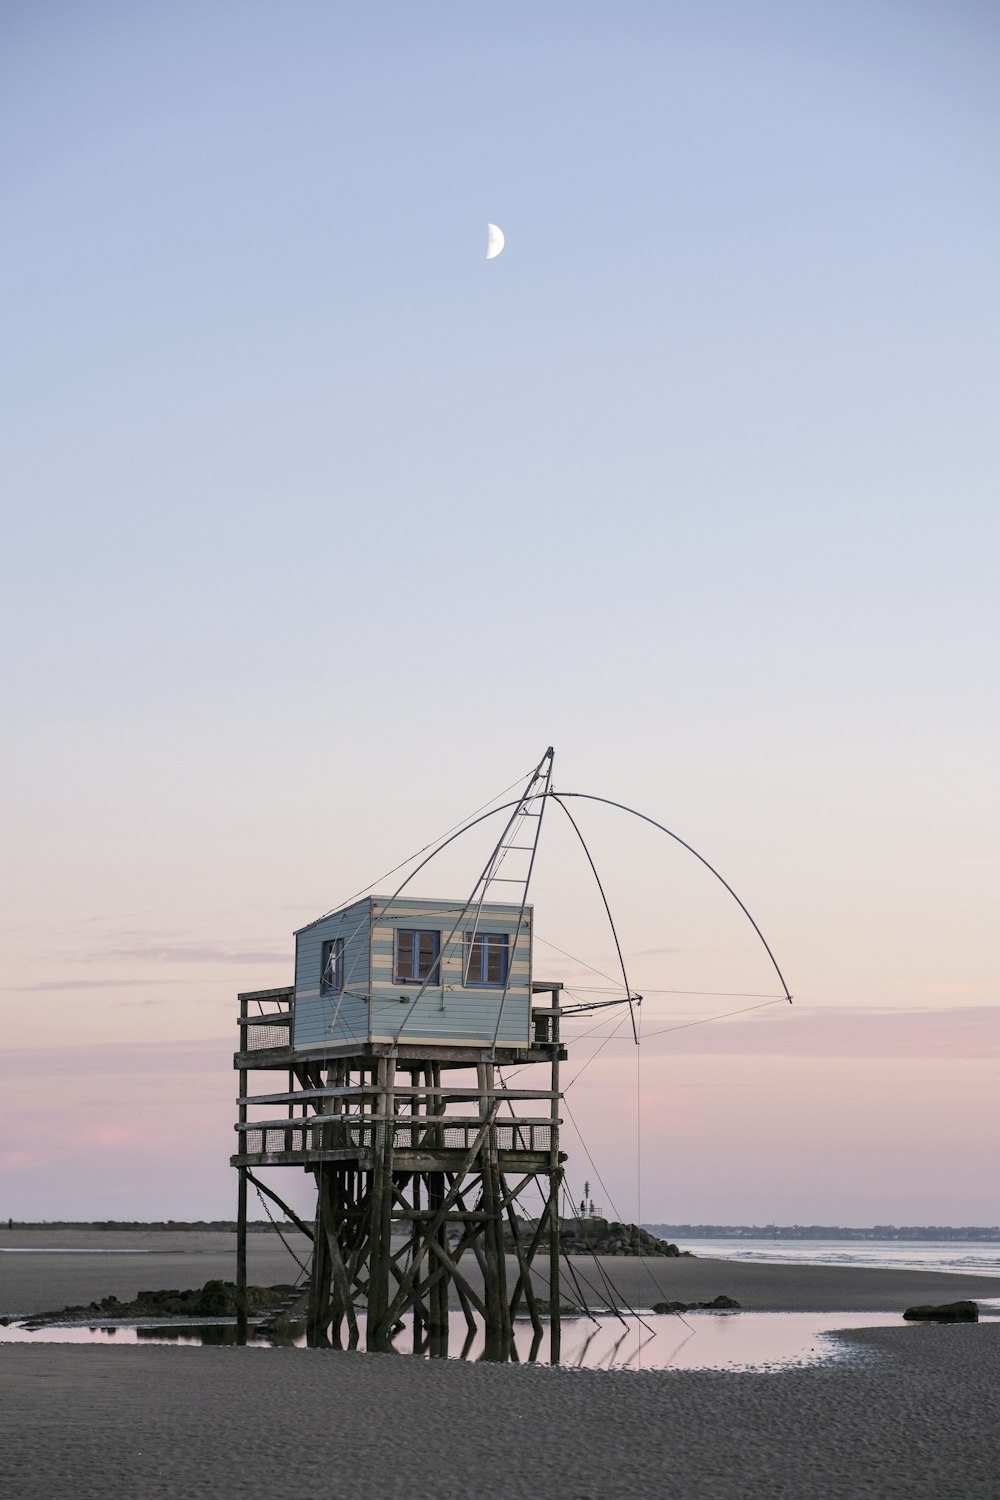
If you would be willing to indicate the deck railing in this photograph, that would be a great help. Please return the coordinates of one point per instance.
(265, 1019)
(326, 1132)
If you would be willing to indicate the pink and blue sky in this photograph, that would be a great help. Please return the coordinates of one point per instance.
(320, 528)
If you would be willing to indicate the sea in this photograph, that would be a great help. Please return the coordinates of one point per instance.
(966, 1257)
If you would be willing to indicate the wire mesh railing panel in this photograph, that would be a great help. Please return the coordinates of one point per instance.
(260, 1038)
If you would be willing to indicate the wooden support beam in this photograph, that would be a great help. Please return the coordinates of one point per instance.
(451, 1218)
(297, 1096)
(447, 1200)
(494, 1259)
(241, 1257)
(555, 1181)
(369, 1117)
(523, 1286)
(318, 1312)
(379, 1325)
(403, 1091)
(290, 1213)
(451, 1266)
(342, 1302)
(241, 1226)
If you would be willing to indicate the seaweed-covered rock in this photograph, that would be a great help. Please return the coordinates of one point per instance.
(216, 1299)
(946, 1312)
(717, 1304)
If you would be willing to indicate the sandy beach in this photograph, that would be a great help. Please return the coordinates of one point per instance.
(915, 1415)
(912, 1412)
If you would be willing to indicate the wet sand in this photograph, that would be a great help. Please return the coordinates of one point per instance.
(39, 1283)
(912, 1414)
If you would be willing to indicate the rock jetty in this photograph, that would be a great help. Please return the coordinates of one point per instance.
(596, 1236)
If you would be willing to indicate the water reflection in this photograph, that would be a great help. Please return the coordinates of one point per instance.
(208, 1335)
(697, 1341)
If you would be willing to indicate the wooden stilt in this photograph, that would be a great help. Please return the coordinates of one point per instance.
(555, 1182)
(241, 1259)
(318, 1314)
(241, 1217)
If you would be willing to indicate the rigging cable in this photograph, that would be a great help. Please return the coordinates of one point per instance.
(409, 860)
(582, 962)
(583, 1143)
(611, 920)
(684, 1025)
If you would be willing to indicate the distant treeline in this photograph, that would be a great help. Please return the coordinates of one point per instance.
(987, 1232)
(257, 1226)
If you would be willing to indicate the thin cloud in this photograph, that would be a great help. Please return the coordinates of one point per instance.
(122, 916)
(159, 1000)
(90, 984)
(829, 1032)
(189, 953)
(162, 1059)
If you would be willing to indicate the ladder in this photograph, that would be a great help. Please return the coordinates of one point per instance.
(518, 843)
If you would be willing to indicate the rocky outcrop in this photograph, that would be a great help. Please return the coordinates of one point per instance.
(946, 1312)
(718, 1304)
(216, 1299)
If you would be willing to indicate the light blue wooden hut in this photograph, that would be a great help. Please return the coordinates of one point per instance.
(414, 971)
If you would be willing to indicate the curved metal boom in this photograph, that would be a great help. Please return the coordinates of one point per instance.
(590, 797)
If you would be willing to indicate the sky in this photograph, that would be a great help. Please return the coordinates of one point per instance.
(319, 528)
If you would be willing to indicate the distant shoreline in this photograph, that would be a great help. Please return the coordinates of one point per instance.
(180, 1226)
(944, 1233)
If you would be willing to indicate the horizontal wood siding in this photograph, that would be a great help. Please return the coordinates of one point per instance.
(340, 1017)
(370, 1007)
(450, 1011)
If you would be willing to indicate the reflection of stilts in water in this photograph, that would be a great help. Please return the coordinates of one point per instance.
(578, 1359)
(665, 1364)
(609, 1361)
(636, 1358)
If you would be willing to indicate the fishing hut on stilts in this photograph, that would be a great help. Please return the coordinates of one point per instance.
(392, 1045)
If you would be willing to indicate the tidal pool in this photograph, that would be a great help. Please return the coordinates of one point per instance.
(693, 1341)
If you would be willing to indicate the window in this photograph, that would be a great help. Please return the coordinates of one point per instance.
(486, 958)
(417, 956)
(331, 980)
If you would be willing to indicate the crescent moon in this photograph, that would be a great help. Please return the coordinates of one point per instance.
(494, 241)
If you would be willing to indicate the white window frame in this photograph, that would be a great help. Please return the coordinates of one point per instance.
(486, 941)
(433, 975)
(332, 949)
